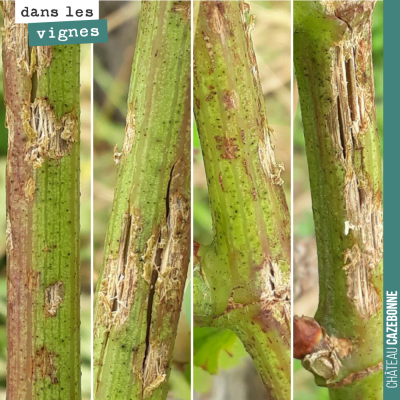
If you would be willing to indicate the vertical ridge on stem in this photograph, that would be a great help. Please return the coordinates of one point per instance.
(138, 301)
(333, 62)
(41, 87)
(242, 279)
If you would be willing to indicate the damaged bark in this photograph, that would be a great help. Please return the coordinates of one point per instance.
(333, 60)
(241, 280)
(140, 288)
(41, 91)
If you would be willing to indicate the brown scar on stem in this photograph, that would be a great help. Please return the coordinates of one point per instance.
(231, 100)
(46, 137)
(345, 11)
(209, 47)
(130, 128)
(349, 121)
(249, 25)
(169, 280)
(196, 249)
(15, 38)
(120, 277)
(150, 256)
(211, 95)
(246, 168)
(117, 155)
(221, 183)
(34, 280)
(228, 146)
(54, 296)
(183, 8)
(167, 288)
(44, 55)
(30, 189)
(154, 374)
(244, 10)
(360, 290)
(275, 296)
(248, 21)
(232, 305)
(357, 376)
(215, 18)
(267, 158)
(195, 70)
(44, 365)
(243, 136)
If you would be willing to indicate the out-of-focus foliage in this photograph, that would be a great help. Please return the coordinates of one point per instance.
(216, 348)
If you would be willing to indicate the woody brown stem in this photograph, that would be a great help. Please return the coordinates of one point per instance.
(41, 92)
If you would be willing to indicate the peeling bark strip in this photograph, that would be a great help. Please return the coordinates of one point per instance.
(242, 281)
(130, 129)
(140, 289)
(117, 288)
(350, 121)
(154, 371)
(358, 376)
(275, 294)
(333, 61)
(47, 137)
(45, 366)
(44, 56)
(41, 92)
(54, 296)
(15, 38)
(267, 157)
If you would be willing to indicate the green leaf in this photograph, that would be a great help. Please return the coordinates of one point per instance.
(179, 386)
(216, 348)
(202, 380)
(234, 357)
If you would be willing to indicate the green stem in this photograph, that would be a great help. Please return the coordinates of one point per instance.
(41, 88)
(333, 60)
(140, 288)
(242, 280)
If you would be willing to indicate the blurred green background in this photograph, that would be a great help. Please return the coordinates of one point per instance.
(305, 269)
(111, 74)
(222, 368)
(85, 225)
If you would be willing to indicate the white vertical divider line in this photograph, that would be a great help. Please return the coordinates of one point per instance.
(293, 113)
(91, 224)
(191, 198)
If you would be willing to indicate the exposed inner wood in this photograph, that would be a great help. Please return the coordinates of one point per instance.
(349, 122)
